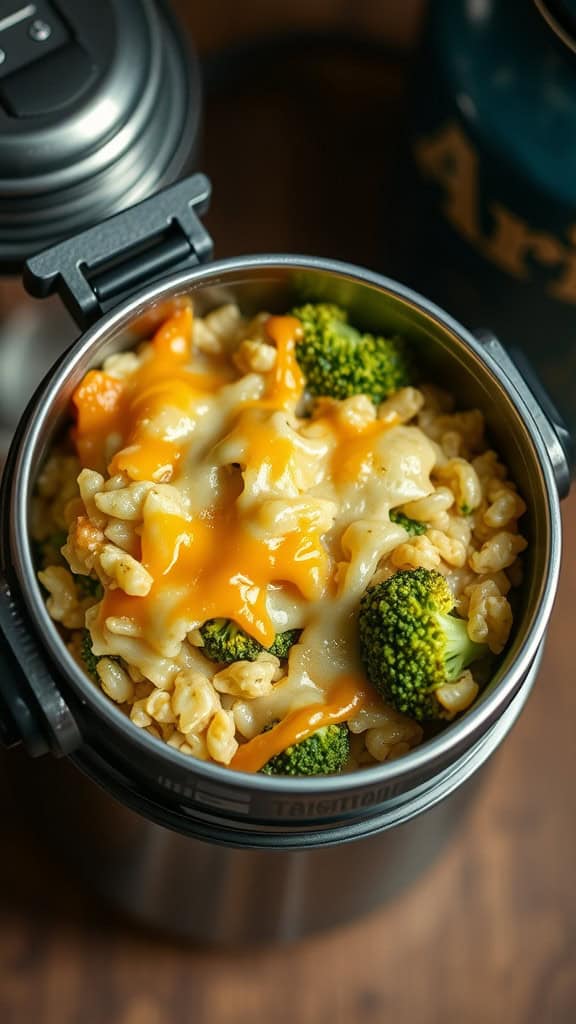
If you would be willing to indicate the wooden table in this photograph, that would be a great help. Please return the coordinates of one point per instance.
(489, 933)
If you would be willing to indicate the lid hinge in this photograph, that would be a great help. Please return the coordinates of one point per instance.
(103, 265)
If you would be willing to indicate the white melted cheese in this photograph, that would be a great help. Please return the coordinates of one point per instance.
(280, 522)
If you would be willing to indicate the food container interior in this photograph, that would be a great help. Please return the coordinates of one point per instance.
(274, 284)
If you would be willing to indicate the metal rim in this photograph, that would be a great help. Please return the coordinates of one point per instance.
(559, 20)
(399, 812)
(477, 720)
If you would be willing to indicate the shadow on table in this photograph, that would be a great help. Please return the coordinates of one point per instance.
(35, 882)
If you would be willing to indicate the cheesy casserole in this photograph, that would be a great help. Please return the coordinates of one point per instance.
(201, 481)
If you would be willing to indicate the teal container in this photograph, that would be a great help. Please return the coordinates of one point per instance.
(489, 190)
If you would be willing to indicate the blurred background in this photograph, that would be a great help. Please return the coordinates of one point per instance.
(227, 22)
(305, 112)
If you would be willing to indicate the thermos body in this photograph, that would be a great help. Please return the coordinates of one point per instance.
(218, 894)
(177, 835)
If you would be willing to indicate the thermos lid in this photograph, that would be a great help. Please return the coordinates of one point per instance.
(99, 106)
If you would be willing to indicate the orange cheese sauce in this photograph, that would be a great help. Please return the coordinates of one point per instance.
(354, 451)
(346, 698)
(99, 412)
(173, 339)
(354, 456)
(217, 564)
(128, 407)
(215, 567)
(286, 379)
(145, 454)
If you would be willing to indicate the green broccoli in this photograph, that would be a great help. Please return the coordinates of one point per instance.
(325, 752)
(283, 642)
(412, 526)
(410, 643)
(47, 551)
(339, 361)
(88, 586)
(88, 657)
(225, 642)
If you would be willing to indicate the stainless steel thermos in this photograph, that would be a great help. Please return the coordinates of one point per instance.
(154, 809)
(193, 847)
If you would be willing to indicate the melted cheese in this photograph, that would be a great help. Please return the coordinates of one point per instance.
(280, 520)
(346, 698)
(286, 379)
(162, 392)
(212, 567)
(355, 457)
(99, 406)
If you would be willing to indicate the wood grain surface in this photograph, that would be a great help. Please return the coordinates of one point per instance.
(222, 22)
(488, 934)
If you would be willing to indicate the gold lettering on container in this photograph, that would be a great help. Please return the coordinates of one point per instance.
(564, 287)
(450, 159)
(513, 241)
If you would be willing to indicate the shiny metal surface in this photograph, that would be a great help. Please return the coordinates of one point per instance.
(134, 129)
(554, 435)
(32, 338)
(214, 803)
(132, 126)
(221, 895)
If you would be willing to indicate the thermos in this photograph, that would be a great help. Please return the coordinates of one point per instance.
(99, 108)
(216, 854)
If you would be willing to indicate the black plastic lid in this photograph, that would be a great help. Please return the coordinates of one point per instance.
(99, 107)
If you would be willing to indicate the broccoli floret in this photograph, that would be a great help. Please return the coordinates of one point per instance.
(283, 642)
(47, 551)
(88, 657)
(89, 586)
(224, 641)
(338, 361)
(412, 526)
(325, 752)
(410, 643)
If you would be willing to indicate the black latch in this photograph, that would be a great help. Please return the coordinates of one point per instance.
(100, 267)
(32, 708)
